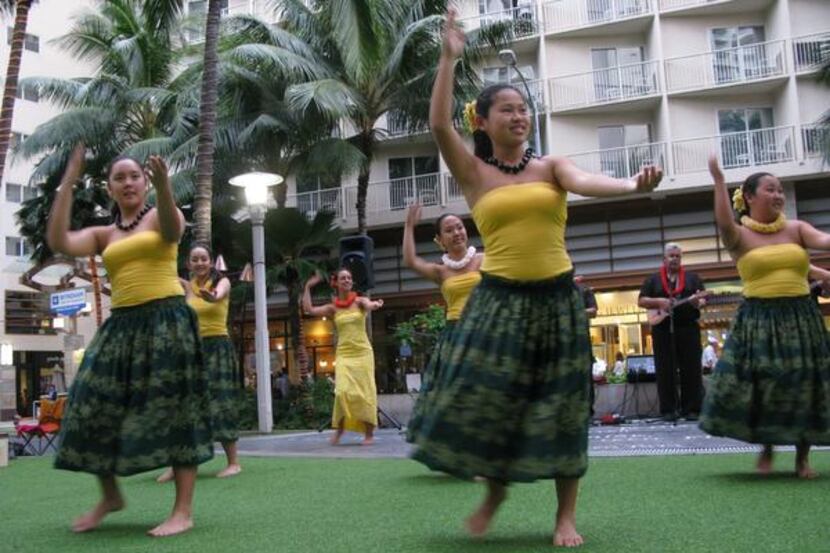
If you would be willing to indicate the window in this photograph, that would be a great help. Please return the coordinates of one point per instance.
(30, 42)
(747, 137)
(28, 313)
(14, 193)
(735, 58)
(504, 74)
(16, 246)
(30, 192)
(621, 73)
(413, 179)
(624, 149)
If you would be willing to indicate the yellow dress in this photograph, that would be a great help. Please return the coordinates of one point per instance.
(355, 394)
(142, 268)
(775, 271)
(213, 316)
(456, 290)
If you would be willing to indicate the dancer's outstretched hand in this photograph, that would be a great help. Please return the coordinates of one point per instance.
(413, 215)
(313, 281)
(157, 171)
(715, 170)
(454, 39)
(648, 179)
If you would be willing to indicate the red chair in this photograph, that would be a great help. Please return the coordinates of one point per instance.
(45, 427)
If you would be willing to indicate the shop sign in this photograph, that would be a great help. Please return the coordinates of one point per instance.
(68, 302)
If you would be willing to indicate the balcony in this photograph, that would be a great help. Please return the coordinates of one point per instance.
(522, 21)
(605, 86)
(740, 149)
(319, 200)
(814, 138)
(621, 163)
(810, 52)
(712, 7)
(569, 15)
(732, 66)
(397, 127)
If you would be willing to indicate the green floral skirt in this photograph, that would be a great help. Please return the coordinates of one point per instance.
(223, 384)
(509, 400)
(428, 382)
(140, 399)
(772, 382)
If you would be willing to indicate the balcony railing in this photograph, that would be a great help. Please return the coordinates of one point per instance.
(666, 5)
(725, 67)
(624, 82)
(739, 149)
(815, 140)
(396, 127)
(621, 163)
(563, 15)
(523, 21)
(319, 200)
(810, 52)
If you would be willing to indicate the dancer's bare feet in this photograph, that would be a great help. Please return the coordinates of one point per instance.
(479, 522)
(230, 470)
(335, 439)
(92, 519)
(176, 524)
(802, 463)
(368, 440)
(565, 534)
(764, 464)
(166, 476)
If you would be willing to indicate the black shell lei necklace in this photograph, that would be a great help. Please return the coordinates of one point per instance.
(131, 226)
(511, 169)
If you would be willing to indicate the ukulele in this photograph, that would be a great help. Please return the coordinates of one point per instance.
(657, 316)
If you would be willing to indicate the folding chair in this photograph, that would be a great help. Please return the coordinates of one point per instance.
(45, 428)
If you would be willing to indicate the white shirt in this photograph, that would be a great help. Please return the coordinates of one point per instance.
(709, 358)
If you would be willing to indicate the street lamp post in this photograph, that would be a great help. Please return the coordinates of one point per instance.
(256, 195)
(508, 58)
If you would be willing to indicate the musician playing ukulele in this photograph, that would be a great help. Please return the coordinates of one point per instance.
(674, 297)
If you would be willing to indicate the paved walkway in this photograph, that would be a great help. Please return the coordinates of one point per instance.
(633, 439)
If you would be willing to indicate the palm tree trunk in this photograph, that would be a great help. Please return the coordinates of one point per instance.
(202, 200)
(21, 19)
(299, 371)
(366, 144)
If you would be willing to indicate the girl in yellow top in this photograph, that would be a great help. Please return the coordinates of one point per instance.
(772, 382)
(208, 294)
(140, 399)
(355, 394)
(518, 406)
(457, 275)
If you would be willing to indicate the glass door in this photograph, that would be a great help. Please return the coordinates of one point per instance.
(743, 140)
(735, 59)
(624, 149)
(618, 72)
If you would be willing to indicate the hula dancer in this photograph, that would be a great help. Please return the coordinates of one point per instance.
(771, 384)
(517, 408)
(140, 400)
(208, 293)
(355, 394)
(457, 275)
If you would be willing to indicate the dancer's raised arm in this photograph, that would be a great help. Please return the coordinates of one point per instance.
(410, 257)
(724, 216)
(77, 243)
(309, 309)
(575, 180)
(813, 238)
(459, 160)
(170, 218)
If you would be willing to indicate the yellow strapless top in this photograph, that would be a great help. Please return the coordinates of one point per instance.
(142, 268)
(456, 289)
(351, 331)
(775, 271)
(523, 230)
(213, 317)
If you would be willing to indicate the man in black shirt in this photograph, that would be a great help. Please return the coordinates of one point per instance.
(676, 339)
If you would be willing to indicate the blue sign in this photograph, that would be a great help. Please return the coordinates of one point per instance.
(67, 302)
(405, 350)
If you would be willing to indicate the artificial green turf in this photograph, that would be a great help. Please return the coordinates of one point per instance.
(646, 504)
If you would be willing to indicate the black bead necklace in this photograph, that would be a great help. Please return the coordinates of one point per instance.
(511, 169)
(131, 226)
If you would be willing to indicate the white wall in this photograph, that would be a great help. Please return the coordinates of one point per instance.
(690, 35)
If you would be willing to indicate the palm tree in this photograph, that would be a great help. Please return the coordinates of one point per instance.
(376, 57)
(21, 20)
(207, 122)
(131, 99)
